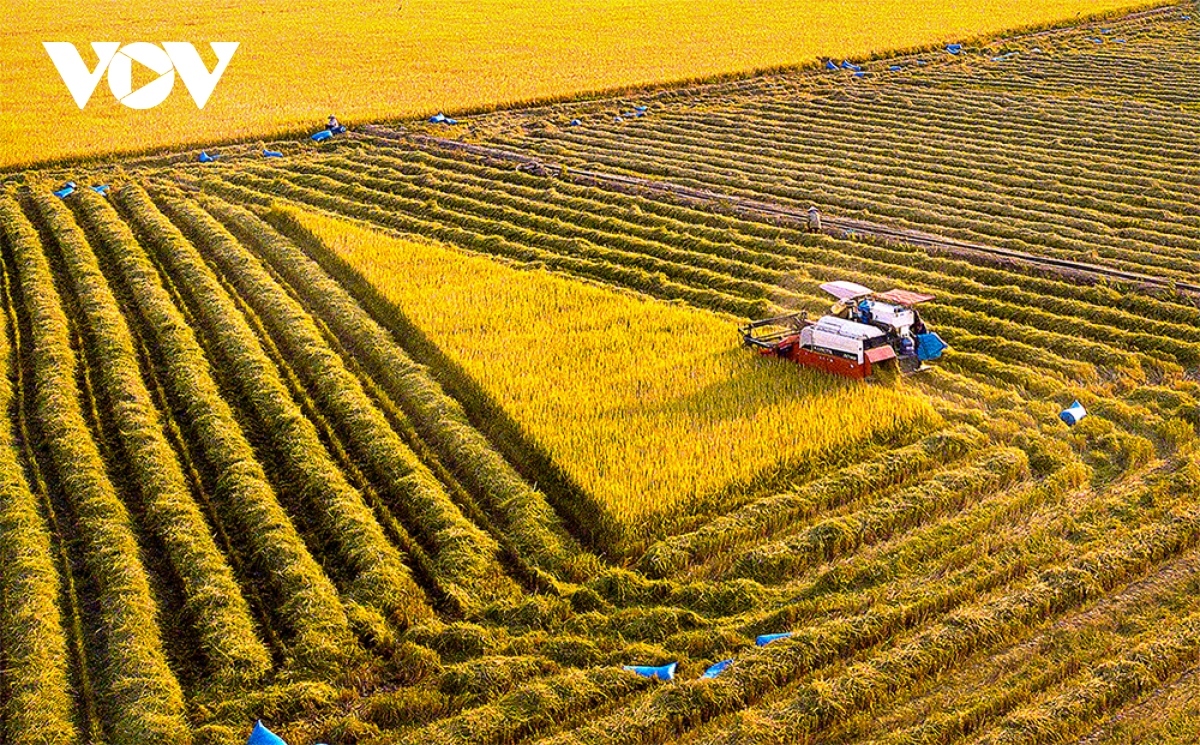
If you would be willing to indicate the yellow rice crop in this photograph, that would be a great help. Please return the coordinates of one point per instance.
(647, 405)
(300, 61)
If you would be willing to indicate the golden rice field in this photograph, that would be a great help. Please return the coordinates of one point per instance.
(301, 61)
(389, 441)
(651, 408)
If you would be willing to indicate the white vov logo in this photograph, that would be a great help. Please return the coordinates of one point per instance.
(166, 60)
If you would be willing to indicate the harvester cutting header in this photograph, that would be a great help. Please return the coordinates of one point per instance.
(864, 332)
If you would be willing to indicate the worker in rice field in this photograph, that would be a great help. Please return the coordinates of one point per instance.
(334, 126)
(864, 311)
(918, 326)
(814, 220)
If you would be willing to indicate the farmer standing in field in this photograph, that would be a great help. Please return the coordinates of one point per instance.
(814, 220)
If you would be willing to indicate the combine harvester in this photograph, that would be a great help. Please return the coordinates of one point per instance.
(865, 331)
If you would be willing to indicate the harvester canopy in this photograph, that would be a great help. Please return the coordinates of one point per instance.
(907, 298)
(844, 291)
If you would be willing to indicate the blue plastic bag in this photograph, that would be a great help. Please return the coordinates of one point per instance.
(260, 735)
(321, 136)
(206, 158)
(272, 154)
(930, 346)
(1072, 414)
(662, 672)
(764, 639)
(716, 669)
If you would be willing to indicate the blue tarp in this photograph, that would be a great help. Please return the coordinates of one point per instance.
(101, 189)
(662, 672)
(830, 65)
(954, 48)
(1119, 41)
(575, 122)
(321, 136)
(1097, 40)
(861, 74)
(272, 154)
(896, 68)
(715, 670)
(260, 735)
(1072, 414)
(437, 118)
(67, 190)
(930, 346)
(641, 109)
(1106, 31)
(206, 158)
(848, 65)
(764, 639)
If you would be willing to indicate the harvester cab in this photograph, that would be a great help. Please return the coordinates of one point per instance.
(864, 332)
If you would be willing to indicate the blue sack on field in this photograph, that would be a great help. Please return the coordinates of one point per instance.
(1072, 414)
(662, 672)
(716, 669)
(260, 735)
